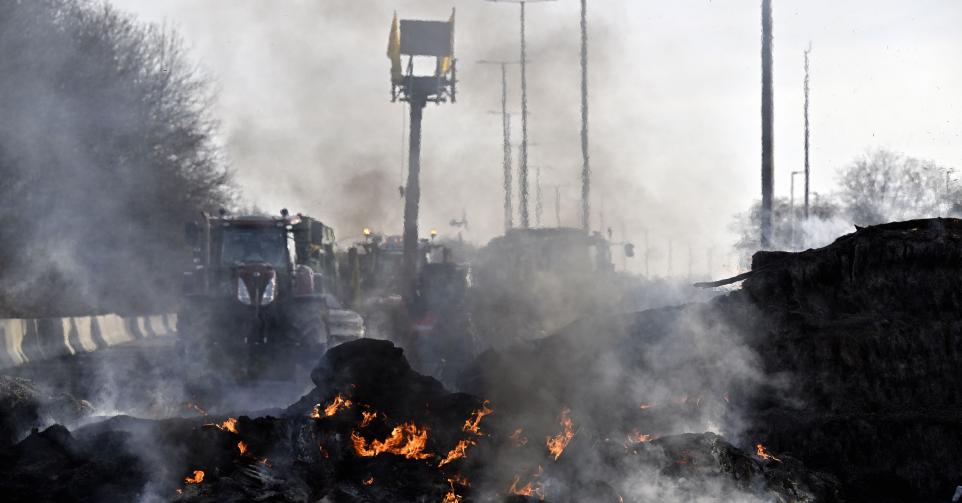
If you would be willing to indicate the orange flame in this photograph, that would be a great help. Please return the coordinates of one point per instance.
(452, 496)
(472, 423)
(406, 440)
(532, 488)
(242, 447)
(197, 478)
(369, 481)
(338, 403)
(368, 417)
(457, 452)
(229, 425)
(316, 411)
(762, 453)
(517, 439)
(557, 443)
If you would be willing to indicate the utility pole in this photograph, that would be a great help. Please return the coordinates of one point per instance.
(506, 126)
(791, 207)
(538, 201)
(557, 206)
(807, 130)
(524, 112)
(585, 167)
(768, 114)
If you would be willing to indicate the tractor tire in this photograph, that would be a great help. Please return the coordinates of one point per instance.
(194, 330)
(308, 330)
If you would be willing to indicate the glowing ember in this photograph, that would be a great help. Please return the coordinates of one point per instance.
(242, 447)
(636, 437)
(472, 423)
(339, 403)
(762, 453)
(517, 439)
(197, 478)
(457, 452)
(406, 440)
(460, 480)
(532, 488)
(452, 496)
(557, 443)
(368, 417)
(369, 481)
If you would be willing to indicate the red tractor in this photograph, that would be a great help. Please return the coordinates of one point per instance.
(261, 292)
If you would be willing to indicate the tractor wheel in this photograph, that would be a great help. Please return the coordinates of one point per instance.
(308, 330)
(194, 340)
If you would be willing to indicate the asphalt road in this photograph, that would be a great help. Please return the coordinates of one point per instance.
(147, 378)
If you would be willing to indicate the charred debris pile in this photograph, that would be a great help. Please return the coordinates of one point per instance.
(844, 357)
(375, 430)
(831, 375)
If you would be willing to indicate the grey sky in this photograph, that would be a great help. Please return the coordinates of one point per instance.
(675, 104)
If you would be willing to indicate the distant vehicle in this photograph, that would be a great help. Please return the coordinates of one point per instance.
(531, 282)
(262, 288)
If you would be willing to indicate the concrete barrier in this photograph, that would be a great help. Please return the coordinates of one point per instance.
(23, 341)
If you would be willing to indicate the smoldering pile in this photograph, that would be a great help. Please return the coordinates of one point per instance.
(844, 357)
(373, 430)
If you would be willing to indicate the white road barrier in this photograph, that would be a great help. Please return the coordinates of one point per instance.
(23, 341)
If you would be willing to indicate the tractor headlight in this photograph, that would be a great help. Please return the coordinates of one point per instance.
(243, 296)
(268, 296)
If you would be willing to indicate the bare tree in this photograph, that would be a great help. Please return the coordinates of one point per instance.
(106, 149)
(883, 186)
